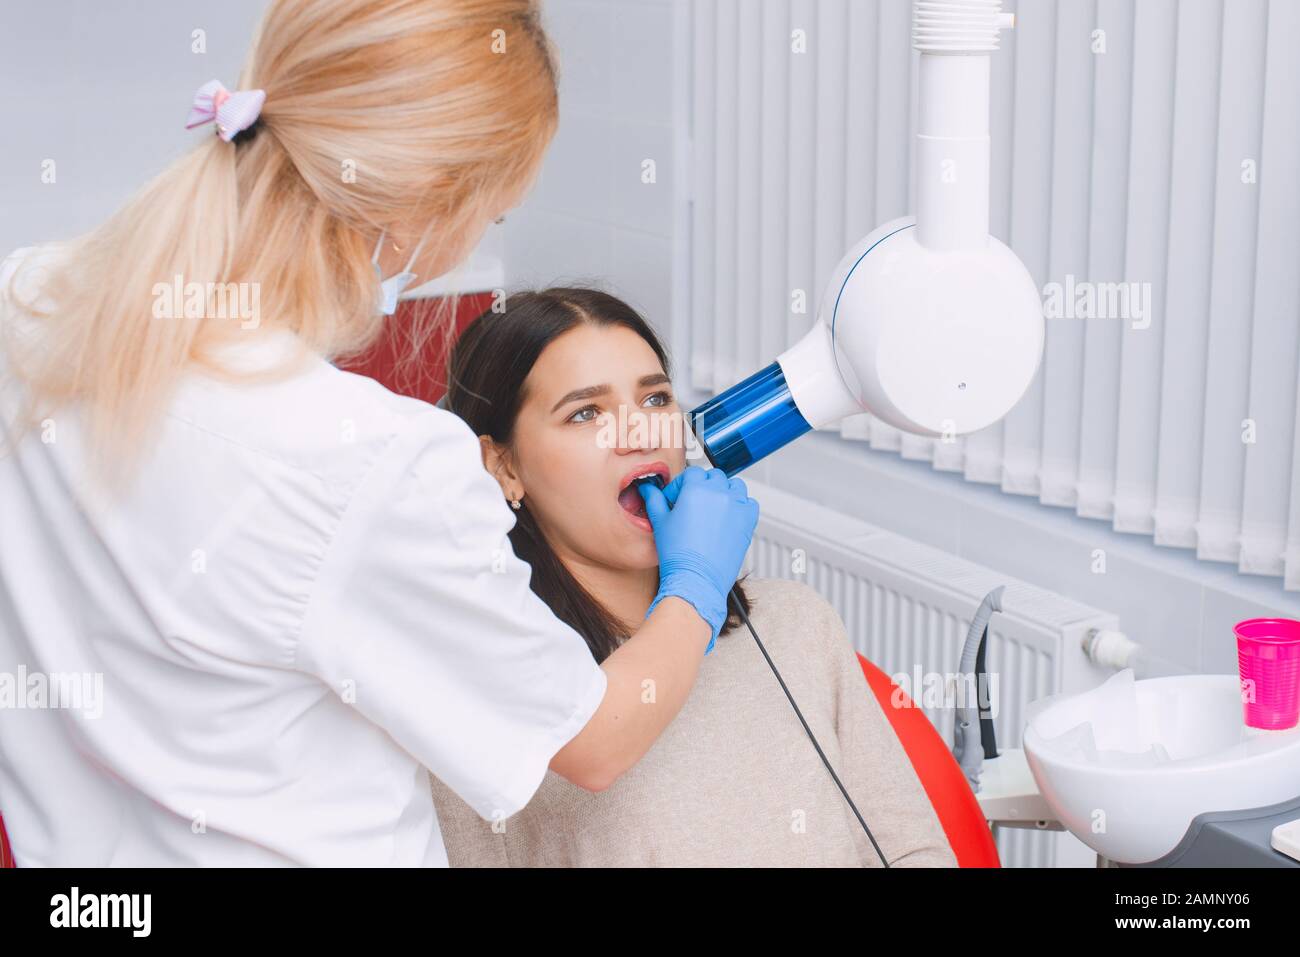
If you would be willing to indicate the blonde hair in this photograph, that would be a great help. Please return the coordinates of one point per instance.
(378, 114)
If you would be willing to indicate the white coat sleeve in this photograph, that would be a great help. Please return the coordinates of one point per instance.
(422, 619)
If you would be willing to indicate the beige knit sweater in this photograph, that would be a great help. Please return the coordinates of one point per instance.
(734, 780)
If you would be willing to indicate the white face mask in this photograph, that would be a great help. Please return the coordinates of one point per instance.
(390, 289)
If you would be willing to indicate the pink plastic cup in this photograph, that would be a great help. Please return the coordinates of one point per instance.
(1268, 660)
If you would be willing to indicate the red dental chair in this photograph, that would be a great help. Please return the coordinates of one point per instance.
(945, 785)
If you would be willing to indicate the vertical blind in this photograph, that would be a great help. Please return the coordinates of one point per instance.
(1154, 142)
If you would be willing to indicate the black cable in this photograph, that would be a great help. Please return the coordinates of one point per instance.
(735, 600)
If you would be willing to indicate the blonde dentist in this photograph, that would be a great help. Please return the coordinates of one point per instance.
(295, 586)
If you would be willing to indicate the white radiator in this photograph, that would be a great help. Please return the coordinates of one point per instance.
(907, 607)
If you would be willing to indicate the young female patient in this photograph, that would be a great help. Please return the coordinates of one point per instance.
(734, 780)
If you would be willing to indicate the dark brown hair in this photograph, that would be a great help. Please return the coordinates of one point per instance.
(486, 374)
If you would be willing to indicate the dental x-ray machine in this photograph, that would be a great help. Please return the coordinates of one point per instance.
(929, 322)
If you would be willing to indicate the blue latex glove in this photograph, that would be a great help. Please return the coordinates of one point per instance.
(703, 523)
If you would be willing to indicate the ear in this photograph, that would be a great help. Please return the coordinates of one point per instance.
(496, 460)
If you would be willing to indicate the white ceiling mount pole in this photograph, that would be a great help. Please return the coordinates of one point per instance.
(955, 39)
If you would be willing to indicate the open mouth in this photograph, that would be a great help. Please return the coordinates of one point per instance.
(628, 495)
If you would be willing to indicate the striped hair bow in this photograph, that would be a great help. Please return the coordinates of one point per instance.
(232, 112)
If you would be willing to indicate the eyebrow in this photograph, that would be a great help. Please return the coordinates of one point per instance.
(591, 391)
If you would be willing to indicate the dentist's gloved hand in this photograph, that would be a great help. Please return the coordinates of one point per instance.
(703, 523)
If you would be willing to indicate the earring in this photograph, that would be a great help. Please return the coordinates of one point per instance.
(516, 504)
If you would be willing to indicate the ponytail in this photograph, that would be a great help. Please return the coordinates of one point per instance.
(378, 114)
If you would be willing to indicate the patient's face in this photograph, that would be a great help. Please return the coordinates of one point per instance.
(575, 458)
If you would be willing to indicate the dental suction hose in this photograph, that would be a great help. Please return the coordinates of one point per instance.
(970, 747)
(928, 323)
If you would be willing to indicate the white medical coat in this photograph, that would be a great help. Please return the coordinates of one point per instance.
(306, 598)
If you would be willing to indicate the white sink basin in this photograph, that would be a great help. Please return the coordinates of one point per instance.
(1128, 765)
